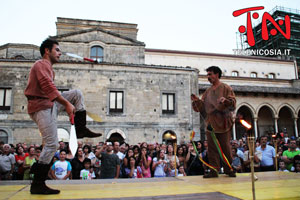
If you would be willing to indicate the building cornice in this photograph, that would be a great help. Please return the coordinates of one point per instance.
(193, 53)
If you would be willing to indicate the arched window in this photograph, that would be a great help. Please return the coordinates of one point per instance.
(271, 75)
(235, 73)
(3, 136)
(253, 75)
(19, 57)
(97, 53)
(63, 135)
(169, 137)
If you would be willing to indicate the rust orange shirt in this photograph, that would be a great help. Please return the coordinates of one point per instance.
(41, 84)
(219, 116)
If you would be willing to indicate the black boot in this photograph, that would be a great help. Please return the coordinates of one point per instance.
(211, 174)
(80, 125)
(38, 185)
(231, 174)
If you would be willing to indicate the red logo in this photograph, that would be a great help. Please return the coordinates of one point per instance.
(264, 29)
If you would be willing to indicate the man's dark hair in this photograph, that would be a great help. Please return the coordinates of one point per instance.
(215, 70)
(235, 149)
(47, 44)
(264, 136)
(289, 141)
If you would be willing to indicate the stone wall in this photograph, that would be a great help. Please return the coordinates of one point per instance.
(142, 119)
(68, 25)
(19, 51)
(115, 49)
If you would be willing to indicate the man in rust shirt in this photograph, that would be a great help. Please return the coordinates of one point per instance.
(218, 102)
(44, 104)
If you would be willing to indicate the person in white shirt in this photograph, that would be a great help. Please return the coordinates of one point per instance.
(282, 167)
(268, 155)
(117, 150)
(87, 173)
(61, 169)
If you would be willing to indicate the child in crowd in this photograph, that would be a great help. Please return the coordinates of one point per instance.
(181, 171)
(296, 165)
(282, 167)
(171, 169)
(297, 168)
(87, 173)
(61, 169)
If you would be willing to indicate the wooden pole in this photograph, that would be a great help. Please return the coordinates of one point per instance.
(251, 144)
(276, 149)
(175, 152)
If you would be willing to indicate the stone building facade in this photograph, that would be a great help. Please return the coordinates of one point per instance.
(144, 94)
(136, 102)
(267, 89)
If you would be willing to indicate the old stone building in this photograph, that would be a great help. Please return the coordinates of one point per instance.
(136, 102)
(267, 89)
(144, 94)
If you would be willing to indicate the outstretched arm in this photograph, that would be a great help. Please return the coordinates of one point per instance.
(196, 103)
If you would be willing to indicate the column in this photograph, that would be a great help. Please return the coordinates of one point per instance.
(276, 124)
(234, 131)
(255, 127)
(296, 127)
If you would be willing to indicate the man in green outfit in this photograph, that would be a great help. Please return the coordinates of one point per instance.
(288, 155)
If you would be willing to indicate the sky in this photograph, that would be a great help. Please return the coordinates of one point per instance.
(187, 25)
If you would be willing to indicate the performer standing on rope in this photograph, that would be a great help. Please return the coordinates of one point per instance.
(44, 104)
(218, 102)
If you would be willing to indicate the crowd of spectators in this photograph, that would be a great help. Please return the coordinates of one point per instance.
(108, 160)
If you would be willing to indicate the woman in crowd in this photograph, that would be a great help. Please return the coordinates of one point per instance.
(20, 157)
(181, 156)
(69, 156)
(136, 151)
(159, 165)
(87, 151)
(144, 144)
(145, 163)
(185, 149)
(28, 162)
(170, 155)
(77, 164)
(127, 156)
(194, 165)
(131, 169)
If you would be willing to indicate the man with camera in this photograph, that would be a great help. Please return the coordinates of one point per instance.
(110, 162)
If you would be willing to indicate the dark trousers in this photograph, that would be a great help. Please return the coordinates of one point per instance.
(267, 168)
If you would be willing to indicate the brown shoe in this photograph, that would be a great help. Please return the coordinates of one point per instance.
(211, 174)
(80, 125)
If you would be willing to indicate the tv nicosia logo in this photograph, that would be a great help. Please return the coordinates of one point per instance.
(264, 29)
